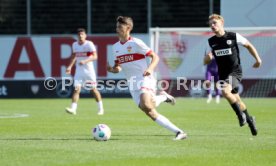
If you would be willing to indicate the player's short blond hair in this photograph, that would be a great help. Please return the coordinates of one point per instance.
(216, 16)
(125, 20)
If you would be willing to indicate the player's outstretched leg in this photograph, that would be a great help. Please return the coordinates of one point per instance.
(249, 119)
(241, 116)
(251, 123)
(149, 108)
(75, 98)
(166, 123)
(99, 101)
(233, 100)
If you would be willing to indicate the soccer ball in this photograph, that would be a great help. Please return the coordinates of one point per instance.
(101, 132)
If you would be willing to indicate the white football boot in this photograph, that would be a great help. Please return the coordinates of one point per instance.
(180, 136)
(100, 112)
(70, 111)
(170, 98)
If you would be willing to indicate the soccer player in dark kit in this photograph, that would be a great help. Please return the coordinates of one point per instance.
(223, 46)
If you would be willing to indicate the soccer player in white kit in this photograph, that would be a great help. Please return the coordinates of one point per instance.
(130, 54)
(84, 53)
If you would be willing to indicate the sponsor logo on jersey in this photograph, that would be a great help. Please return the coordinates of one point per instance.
(129, 58)
(83, 54)
(223, 52)
(126, 58)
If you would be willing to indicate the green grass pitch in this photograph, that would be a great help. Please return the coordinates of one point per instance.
(49, 136)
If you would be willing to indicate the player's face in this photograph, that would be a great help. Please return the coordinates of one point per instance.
(81, 36)
(121, 29)
(216, 25)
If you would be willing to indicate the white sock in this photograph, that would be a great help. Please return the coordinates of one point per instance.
(100, 105)
(159, 99)
(164, 122)
(74, 106)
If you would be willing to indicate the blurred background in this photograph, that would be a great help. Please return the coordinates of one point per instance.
(36, 38)
(40, 17)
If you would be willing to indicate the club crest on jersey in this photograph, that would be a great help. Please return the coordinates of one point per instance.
(229, 42)
(129, 48)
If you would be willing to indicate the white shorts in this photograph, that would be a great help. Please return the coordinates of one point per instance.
(147, 85)
(86, 80)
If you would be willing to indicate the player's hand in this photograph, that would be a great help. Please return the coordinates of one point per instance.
(68, 70)
(82, 62)
(258, 63)
(147, 72)
(109, 68)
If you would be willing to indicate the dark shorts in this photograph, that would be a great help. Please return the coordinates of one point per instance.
(234, 81)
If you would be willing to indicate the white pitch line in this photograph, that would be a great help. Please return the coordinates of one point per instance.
(13, 116)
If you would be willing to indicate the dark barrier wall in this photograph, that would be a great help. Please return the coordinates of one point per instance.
(42, 89)
(119, 88)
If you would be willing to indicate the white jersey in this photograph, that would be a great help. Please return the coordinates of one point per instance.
(83, 52)
(131, 56)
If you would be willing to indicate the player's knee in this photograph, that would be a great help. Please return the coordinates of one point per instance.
(242, 105)
(152, 114)
(95, 91)
(149, 111)
(226, 94)
(146, 105)
(77, 89)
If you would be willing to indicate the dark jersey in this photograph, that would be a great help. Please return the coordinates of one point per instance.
(226, 52)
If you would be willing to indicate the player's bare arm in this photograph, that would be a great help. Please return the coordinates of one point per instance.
(91, 58)
(153, 64)
(72, 62)
(254, 53)
(208, 58)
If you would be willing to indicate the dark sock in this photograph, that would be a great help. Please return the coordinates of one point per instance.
(236, 108)
(247, 114)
